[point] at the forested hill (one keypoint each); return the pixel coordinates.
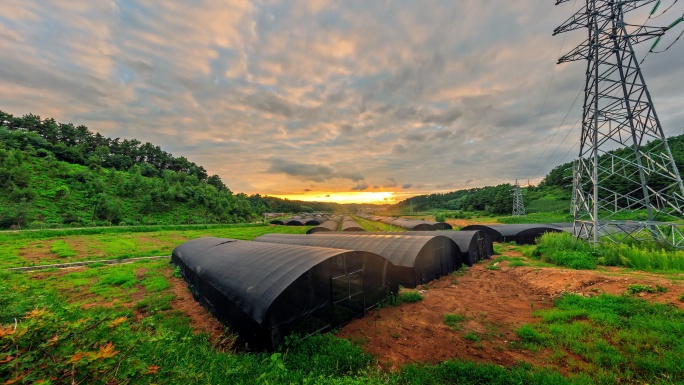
(552, 194)
(54, 174)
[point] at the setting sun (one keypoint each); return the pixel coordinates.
(371, 197)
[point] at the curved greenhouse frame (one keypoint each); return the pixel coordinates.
(417, 260)
(265, 291)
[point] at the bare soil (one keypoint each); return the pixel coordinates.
(201, 320)
(495, 303)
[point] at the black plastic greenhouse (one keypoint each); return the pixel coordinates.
(417, 260)
(265, 291)
(328, 225)
(474, 245)
(349, 224)
(519, 233)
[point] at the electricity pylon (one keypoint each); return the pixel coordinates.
(518, 204)
(625, 179)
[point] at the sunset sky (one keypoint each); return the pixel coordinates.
(363, 100)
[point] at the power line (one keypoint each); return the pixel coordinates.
(554, 136)
(546, 97)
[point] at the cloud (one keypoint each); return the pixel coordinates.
(392, 183)
(406, 186)
(360, 187)
(272, 94)
(309, 172)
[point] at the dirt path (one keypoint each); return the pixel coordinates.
(494, 303)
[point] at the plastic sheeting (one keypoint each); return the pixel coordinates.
(329, 225)
(349, 224)
(520, 233)
(418, 260)
(263, 291)
(474, 245)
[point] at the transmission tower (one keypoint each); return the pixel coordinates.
(625, 181)
(518, 204)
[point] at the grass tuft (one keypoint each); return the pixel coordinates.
(639, 288)
(454, 321)
(410, 297)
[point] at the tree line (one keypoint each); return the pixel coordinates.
(498, 200)
(54, 174)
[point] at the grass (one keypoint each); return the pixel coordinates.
(639, 288)
(117, 324)
(40, 247)
(562, 249)
(375, 226)
(681, 297)
(62, 249)
(454, 321)
(410, 297)
(620, 338)
(538, 217)
(117, 339)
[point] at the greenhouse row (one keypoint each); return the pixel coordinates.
(409, 224)
(283, 283)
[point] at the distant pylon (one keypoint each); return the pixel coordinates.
(518, 204)
(625, 179)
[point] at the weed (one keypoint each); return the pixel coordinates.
(472, 336)
(681, 297)
(453, 321)
(410, 297)
(639, 288)
(177, 272)
(493, 266)
(562, 249)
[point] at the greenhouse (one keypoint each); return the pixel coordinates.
(522, 234)
(329, 225)
(349, 224)
(417, 260)
(265, 291)
(474, 245)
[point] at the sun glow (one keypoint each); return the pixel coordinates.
(368, 197)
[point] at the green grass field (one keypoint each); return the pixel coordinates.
(117, 324)
(32, 248)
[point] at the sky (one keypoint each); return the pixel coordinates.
(348, 101)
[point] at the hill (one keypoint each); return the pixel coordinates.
(551, 195)
(55, 174)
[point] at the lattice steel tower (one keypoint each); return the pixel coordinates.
(625, 179)
(518, 204)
